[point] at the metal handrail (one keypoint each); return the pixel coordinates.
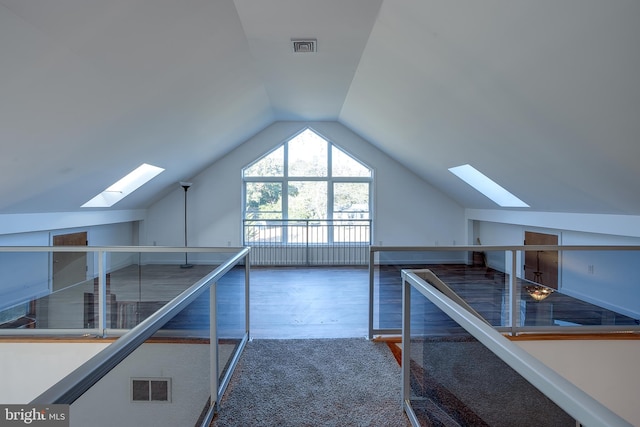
(141, 249)
(446, 290)
(489, 248)
(565, 394)
(71, 387)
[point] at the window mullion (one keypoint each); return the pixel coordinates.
(285, 196)
(310, 181)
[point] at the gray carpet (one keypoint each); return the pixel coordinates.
(319, 382)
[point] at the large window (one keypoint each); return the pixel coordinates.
(308, 179)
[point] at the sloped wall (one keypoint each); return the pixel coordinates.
(109, 403)
(407, 210)
(28, 369)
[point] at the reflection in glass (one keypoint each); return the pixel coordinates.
(456, 379)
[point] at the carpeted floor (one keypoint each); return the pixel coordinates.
(317, 382)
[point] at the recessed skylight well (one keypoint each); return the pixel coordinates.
(125, 186)
(488, 187)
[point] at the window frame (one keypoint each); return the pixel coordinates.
(285, 179)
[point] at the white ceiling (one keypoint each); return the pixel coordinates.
(543, 96)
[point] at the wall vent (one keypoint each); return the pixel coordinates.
(151, 389)
(304, 45)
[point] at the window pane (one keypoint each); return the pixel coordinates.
(343, 164)
(263, 200)
(270, 165)
(308, 155)
(307, 200)
(351, 200)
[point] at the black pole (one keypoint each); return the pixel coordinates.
(186, 186)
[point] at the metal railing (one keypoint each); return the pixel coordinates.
(80, 380)
(507, 263)
(416, 284)
(36, 274)
(182, 317)
(308, 242)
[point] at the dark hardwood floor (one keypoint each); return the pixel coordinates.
(301, 302)
(332, 302)
(317, 302)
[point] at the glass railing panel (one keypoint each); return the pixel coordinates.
(480, 277)
(482, 283)
(139, 284)
(165, 381)
(456, 380)
(387, 293)
(555, 289)
(36, 294)
(172, 377)
(231, 317)
(581, 288)
(46, 290)
(192, 322)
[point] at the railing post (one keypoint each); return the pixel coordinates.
(213, 344)
(514, 295)
(247, 296)
(371, 286)
(406, 340)
(306, 222)
(102, 292)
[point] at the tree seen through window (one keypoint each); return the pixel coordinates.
(307, 178)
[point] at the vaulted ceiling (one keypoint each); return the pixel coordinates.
(543, 96)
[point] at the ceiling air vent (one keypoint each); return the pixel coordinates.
(304, 46)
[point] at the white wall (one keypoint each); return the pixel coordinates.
(606, 278)
(28, 369)
(615, 225)
(33, 222)
(606, 370)
(108, 403)
(407, 210)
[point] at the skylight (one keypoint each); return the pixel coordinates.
(488, 187)
(125, 186)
